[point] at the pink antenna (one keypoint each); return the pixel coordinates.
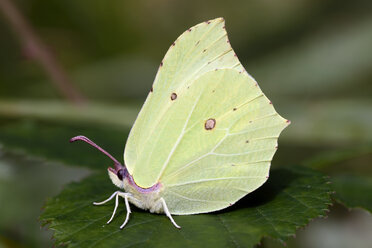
(85, 139)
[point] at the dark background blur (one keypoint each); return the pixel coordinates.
(312, 58)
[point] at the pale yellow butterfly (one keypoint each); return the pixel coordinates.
(205, 136)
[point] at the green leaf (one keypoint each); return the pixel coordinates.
(350, 174)
(289, 200)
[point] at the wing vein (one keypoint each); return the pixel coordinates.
(214, 59)
(255, 129)
(191, 199)
(201, 53)
(197, 159)
(241, 153)
(178, 139)
(211, 179)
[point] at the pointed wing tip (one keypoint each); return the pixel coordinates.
(215, 20)
(219, 19)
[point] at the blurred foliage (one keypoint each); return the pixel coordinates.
(291, 42)
(51, 141)
(353, 190)
(311, 58)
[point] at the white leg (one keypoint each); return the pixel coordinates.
(166, 211)
(116, 206)
(125, 196)
(108, 199)
(117, 194)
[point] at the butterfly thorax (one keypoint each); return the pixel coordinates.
(144, 198)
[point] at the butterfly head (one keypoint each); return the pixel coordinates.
(117, 175)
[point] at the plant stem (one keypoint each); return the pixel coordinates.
(40, 52)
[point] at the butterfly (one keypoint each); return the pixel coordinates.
(205, 136)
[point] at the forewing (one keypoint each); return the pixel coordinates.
(201, 49)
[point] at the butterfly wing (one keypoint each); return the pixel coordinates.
(206, 132)
(223, 152)
(201, 49)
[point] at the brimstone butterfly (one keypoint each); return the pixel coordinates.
(205, 136)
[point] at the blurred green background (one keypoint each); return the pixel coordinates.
(312, 58)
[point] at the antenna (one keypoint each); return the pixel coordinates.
(85, 139)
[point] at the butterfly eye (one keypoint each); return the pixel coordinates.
(120, 174)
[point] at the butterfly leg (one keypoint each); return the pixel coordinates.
(116, 207)
(107, 200)
(167, 213)
(116, 195)
(125, 196)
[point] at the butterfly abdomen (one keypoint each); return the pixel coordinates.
(146, 199)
